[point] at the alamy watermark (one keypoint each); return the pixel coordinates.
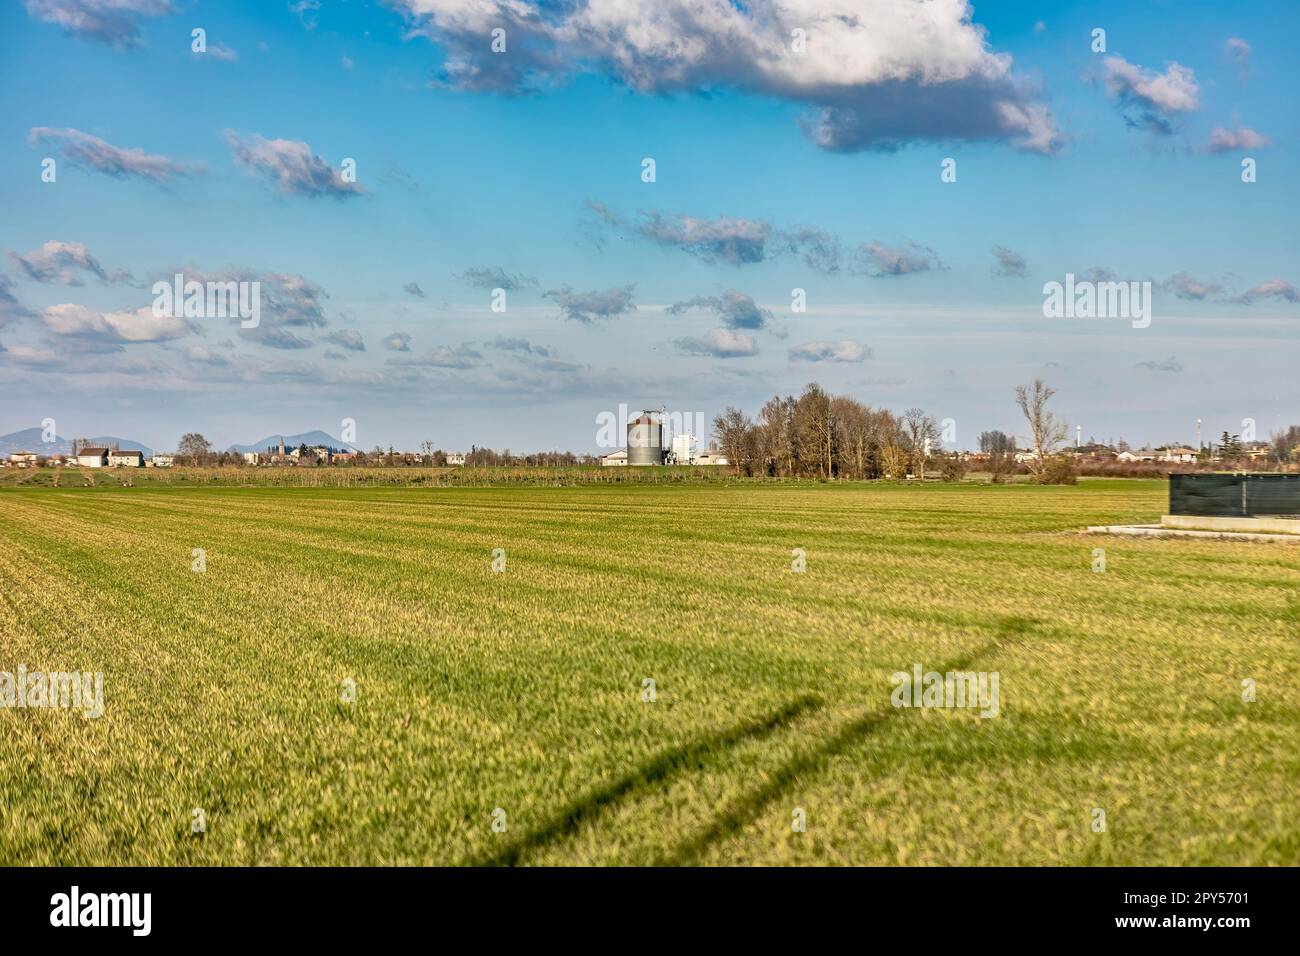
(1087, 299)
(923, 688)
(208, 300)
(79, 690)
(611, 427)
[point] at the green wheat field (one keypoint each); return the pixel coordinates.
(522, 691)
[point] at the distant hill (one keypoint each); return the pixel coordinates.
(293, 441)
(29, 439)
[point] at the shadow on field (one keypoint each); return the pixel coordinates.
(750, 806)
(568, 820)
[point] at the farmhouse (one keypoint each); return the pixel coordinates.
(126, 459)
(614, 458)
(23, 459)
(92, 457)
(1142, 454)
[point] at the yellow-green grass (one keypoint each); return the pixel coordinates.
(1120, 691)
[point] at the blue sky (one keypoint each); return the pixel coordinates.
(472, 163)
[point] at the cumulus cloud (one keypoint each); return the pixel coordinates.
(494, 277)
(842, 351)
(719, 343)
(1270, 289)
(1170, 364)
(349, 339)
(397, 342)
(61, 262)
(413, 288)
(291, 165)
(112, 330)
(112, 22)
(879, 260)
(1147, 99)
(876, 76)
(1243, 137)
(736, 309)
(586, 307)
(519, 345)
(91, 152)
(1009, 263)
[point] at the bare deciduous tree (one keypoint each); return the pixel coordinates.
(922, 433)
(194, 447)
(732, 430)
(1046, 431)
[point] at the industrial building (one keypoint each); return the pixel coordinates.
(646, 446)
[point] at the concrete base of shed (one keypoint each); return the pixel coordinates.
(1163, 531)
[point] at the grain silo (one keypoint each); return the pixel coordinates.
(645, 443)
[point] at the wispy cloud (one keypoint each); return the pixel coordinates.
(1187, 287)
(292, 166)
(1009, 263)
(61, 262)
(736, 309)
(841, 351)
(91, 152)
(518, 345)
(413, 288)
(586, 307)
(443, 356)
(1170, 364)
(879, 260)
(1238, 51)
(112, 22)
(349, 339)
(495, 277)
(305, 11)
(1270, 289)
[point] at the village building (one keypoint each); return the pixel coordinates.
(126, 459)
(92, 457)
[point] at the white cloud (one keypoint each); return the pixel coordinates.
(1243, 137)
(719, 343)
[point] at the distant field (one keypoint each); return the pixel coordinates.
(346, 476)
(1120, 691)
